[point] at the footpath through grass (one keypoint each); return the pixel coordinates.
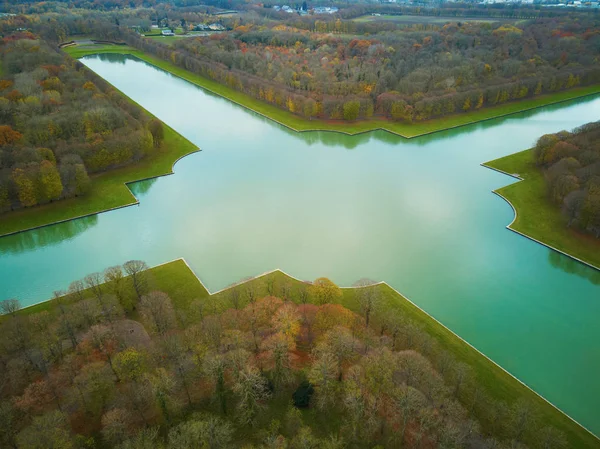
(536, 216)
(296, 123)
(108, 190)
(181, 284)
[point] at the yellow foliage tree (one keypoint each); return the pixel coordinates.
(325, 291)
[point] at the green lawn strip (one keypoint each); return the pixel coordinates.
(173, 278)
(181, 284)
(537, 217)
(108, 190)
(296, 123)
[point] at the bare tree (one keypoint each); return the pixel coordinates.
(10, 307)
(158, 312)
(103, 340)
(368, 297)
(214, 367)
(136, 270)
(113, 276)
(93, 281)
(522, 419)
(76, 288)
(177, 354)
(235, 297)
(65, 318)
(303, 293)
(251, 390)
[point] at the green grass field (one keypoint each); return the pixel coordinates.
(296, 123)
(537, 216)
(181, 284)
(107, 191)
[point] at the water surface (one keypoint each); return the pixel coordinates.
(417, 213)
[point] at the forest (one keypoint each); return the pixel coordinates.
(411, 74)
(571, 164)
(61, 123)
(115, 363)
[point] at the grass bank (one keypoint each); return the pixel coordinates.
(407, 19)
(181, 284)
(108, 190)
(174, 278)
(536, 216)
(407, 130)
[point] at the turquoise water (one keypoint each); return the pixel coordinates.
(417, 213)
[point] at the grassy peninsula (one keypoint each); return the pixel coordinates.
(536, 216)
(107, 189)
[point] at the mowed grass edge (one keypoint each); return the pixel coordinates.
(183, 286)
(536, 216)
(285, 118)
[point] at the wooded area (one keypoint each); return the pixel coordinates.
(59, 123)
(571, 162)
(120, 365)
(412, 74)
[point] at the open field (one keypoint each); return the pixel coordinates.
(296, 123)
(170, 40)
(437, 20)
(536, 216)
(181, 284)
(108, 190)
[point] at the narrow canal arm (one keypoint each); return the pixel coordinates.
(300, 124)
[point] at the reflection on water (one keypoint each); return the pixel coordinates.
(571, 266)
(336, 139)
(140, 188)
(47, 236)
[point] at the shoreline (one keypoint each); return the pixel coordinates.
(371, 125)
(512, 227)
(137, 201)
(147, 59)
(411, 303)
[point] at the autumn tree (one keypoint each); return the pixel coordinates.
(102, 343)
(50, 181)
(351, 110)
(157, 311)
(8, 136)
(26, 188)
(324, 291)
